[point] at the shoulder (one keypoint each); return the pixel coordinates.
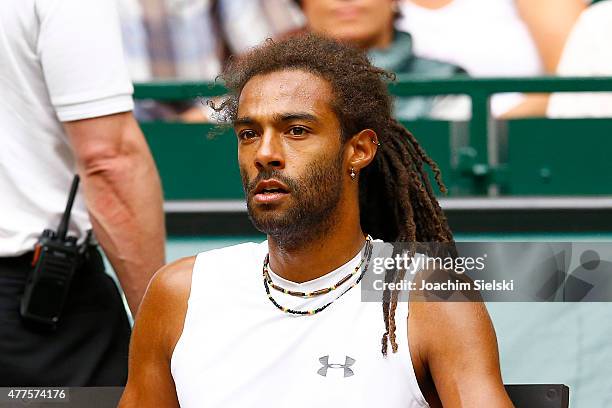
(171, 286)
(593, 21)
(158, 326)
(432, 67)
(244, 248)
(442, 317)
(163, 309)
(596, 10)
(173, 281)
(446, 316)
(209, 267)
(229, 256)
(440, 311)
(451, 334)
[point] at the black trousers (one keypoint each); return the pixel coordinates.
(89, 346)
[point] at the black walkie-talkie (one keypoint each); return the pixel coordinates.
(56, 257)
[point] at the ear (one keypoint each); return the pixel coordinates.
(361, 149)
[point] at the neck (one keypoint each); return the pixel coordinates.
(318, 256)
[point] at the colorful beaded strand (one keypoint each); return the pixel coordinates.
(317, 292)
(367, 251)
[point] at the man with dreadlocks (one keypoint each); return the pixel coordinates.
(280, 324)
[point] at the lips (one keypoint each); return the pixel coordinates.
(270, 191)
(348, 13)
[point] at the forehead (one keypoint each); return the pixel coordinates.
(286, 91)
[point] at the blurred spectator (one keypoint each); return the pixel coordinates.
(170, 40)
(243, 24)
(587, 53)
(191, 39)
(134, 40)
(494, 38)
(369, 24)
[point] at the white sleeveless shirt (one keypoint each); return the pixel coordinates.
(239, 350)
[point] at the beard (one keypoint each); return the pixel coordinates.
(312, 208)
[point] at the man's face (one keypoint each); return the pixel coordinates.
(290, 154)
(361, 22)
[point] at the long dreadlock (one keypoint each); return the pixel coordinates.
(396, 198)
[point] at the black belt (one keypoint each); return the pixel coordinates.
(19, 260)
(25, 259)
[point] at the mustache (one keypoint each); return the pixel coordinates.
(292, 184)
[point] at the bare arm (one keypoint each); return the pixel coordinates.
(534, 105)
(550, 22)
(123, 195)
(457, 344)
(158, 327)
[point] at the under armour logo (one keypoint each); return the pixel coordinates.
(347, 363)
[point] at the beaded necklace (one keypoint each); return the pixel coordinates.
(316, 292)
(367, 253)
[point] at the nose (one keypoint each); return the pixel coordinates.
(269, 154)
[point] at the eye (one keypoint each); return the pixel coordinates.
(246, 134)
(297, 131)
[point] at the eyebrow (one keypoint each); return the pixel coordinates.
(288, 117)
(244, 120)
(279, 117)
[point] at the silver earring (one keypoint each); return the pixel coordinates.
(353, 174)
(377, 143)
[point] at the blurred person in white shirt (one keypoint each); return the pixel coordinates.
(494, 38)
(65, 108)
(587, 53)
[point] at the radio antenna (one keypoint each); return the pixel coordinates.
(63, 226)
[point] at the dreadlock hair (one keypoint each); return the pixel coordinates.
(396, 198)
